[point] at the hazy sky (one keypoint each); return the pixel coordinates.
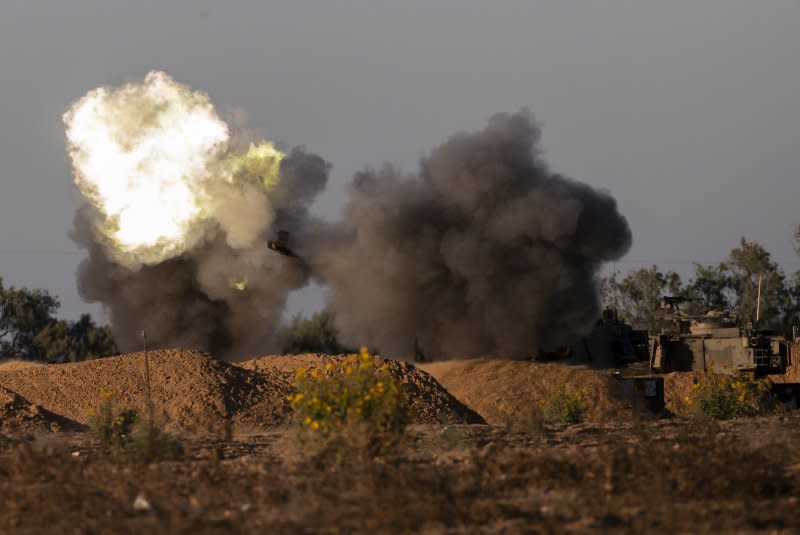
(688, 112)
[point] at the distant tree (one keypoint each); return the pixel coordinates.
(23, 314)
(797, 240)
(316, 334)
(637, 296)
(709, 289)
(29, 330)
(730, 286)
(793, 288)
(746, 265)
(793, 309)
(63, 341)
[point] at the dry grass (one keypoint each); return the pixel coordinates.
(662, 477)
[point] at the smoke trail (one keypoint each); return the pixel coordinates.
(485, 252)
(176, 218)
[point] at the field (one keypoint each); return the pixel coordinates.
(245, 470)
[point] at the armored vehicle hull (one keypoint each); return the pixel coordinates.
(717, 342)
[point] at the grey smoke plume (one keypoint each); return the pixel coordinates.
(484, 252)
(190, 300)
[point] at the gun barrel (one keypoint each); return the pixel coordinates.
(281, 245)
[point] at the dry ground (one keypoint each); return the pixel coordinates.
(607, 475)
(502, 390)
(196, 394)
(663, 477)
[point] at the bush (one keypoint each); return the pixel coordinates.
(151, 443)
(124, 432)
(565, 405)
(356, 393)
(722, 396)
(112, 428)
(316, 334)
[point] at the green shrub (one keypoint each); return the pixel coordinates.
(150, 443)
(316, 334)
(111, 427)
(357, 394)
(722, 396)
(565, 405)
(125, 432)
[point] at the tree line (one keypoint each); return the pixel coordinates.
(730, 286)
(29, 329)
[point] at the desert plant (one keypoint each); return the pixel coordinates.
(150, 443)
(358, 392)
(112, 427)
(533, 423)
(124, 432)
(564, 405)
(724, 396)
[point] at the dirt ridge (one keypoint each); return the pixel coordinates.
(18, 416)
(431, 402)
(505, 392)
(195, 393)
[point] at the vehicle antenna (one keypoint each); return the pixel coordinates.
(758, 301)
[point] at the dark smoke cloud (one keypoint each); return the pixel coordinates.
(485, 252)
(189, 300)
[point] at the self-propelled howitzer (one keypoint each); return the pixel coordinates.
(716, 341)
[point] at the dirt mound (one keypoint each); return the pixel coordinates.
(9, 365)
(505, 392)
(191, 391)
(431, 403)
(18, 416)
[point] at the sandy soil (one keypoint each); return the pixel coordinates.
(606, 475)
(10, 365)
(505, 391)
(194, 393)
(18, 416)
(662, 477)
(191, 391)
(429, 401)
